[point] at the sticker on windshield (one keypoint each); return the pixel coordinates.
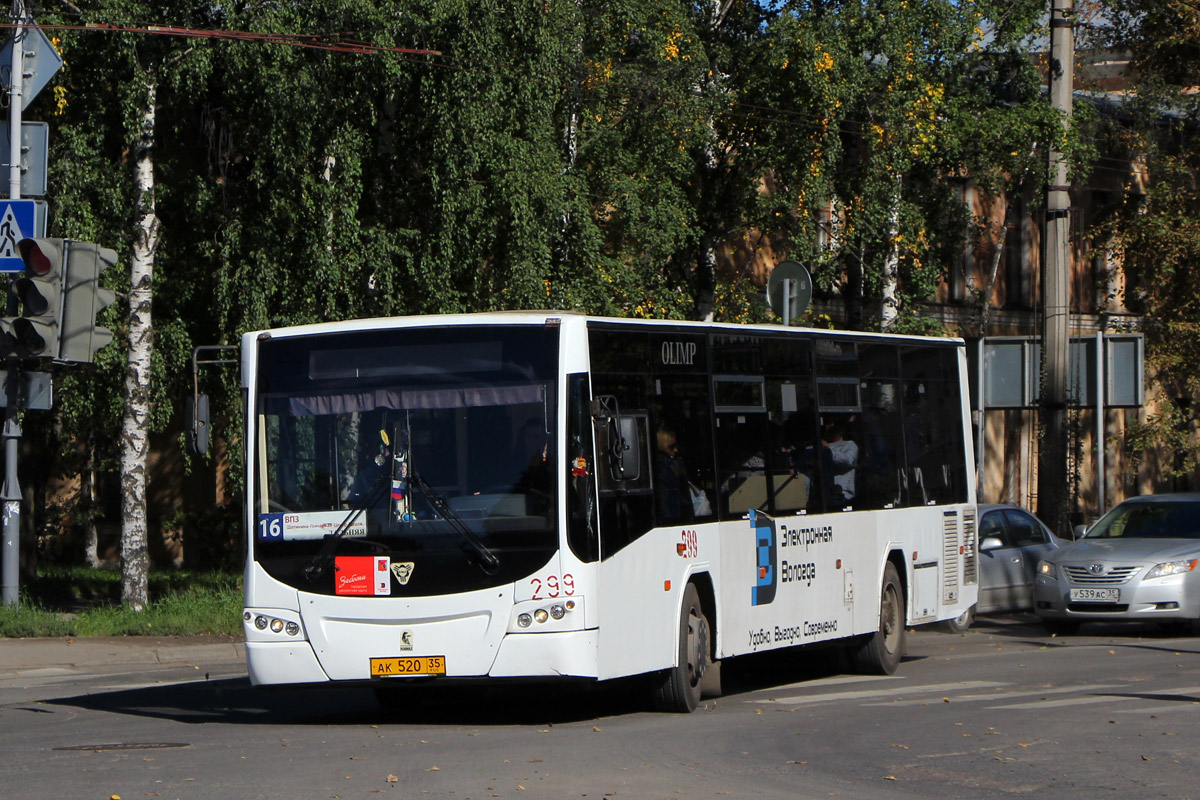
(296, 525)
(369, 575)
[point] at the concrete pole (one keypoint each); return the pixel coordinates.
(1052, 467)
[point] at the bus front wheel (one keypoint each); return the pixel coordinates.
(880, 652)
(680, 687)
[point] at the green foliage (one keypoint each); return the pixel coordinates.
(86, 602)
(443, 156)
(1154, 228)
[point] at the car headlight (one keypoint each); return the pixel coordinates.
(1047, 569)
(1172, 568)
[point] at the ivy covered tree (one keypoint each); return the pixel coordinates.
(284, 163)
(1154, 232)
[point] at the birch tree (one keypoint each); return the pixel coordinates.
(135, 440)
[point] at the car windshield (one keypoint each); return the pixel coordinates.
(1165, 520)
(427, 446)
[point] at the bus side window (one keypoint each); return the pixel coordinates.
(582, 526)
(625, 488)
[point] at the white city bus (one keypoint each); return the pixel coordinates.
(549, 495)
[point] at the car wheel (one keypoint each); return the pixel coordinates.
(961, 623)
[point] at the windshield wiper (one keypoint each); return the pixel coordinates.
(488, 561)
(316, 568)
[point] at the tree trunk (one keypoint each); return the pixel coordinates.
(985, 302)
(890, 279)
(87, 501)
(135, 426)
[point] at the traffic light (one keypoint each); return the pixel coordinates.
(83, 299)
(38, 291)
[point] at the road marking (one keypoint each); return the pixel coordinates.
(837, 680)
(863, 694)
(1168, 696)
(973, 698)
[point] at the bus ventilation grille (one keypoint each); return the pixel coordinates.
(970, 548)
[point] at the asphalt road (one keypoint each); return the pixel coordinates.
(1000, 711)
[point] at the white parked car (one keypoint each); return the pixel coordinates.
(1137, 563)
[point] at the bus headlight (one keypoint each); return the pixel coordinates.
(549, 616)
(265, 626)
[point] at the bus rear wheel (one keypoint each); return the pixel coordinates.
(680, 687)
(880, 652)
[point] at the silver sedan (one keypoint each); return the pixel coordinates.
(1138, 563)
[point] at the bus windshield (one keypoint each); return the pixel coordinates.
(431, 447)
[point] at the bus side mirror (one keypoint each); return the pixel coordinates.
(626, 454)
(198, 421)
(622, 445)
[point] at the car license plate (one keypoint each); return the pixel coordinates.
(408, 665)
(1096, 595)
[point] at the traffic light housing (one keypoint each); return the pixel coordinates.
(38, 291)
(83, 299)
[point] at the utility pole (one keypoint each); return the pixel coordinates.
(10, 531)
(1052, 466)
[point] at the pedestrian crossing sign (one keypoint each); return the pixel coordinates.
(16, 223)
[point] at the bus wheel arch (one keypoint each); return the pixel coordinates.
(879, 653)
(679, 688)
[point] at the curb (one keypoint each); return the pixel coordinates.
(24, 654)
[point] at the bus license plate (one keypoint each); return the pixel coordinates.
(1096, 595)
(408, 665)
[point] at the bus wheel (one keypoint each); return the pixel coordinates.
(880, 652)
(680, 687)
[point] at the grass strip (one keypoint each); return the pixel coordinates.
(81, 601)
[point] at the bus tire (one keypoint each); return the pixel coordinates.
(679, 688)
(879, 653)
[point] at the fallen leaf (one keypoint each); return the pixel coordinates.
(392, 778)
(889, 777)
(1147, 758)
(596, 728)
(434, 769)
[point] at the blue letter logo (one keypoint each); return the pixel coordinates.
(763, 591)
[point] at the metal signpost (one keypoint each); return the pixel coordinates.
(32, 62)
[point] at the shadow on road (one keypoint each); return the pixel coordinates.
(1026, 629)
(235, 702)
